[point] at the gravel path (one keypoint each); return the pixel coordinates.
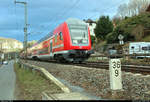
(7, 82)
(96, 81)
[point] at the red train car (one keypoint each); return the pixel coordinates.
(70, 41)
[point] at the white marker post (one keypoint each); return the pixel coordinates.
(115, 74)
(2, 56)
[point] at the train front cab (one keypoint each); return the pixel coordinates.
(77, 41)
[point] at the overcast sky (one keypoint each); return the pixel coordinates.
(45, 15)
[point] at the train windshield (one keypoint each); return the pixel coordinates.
(79, 34)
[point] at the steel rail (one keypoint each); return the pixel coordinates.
(127, 68)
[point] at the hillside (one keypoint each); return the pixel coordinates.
(10, 45)
(136, 28)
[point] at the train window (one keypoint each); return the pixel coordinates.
(84, 35)
(144, 48)
(55, 38)
(132, 47)
(43, 51)
(61, 36)
(79, 34)
(148, 47)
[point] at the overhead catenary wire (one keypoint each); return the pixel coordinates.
(55, 16)
(73, 6)
(61, 14)
(58, 13)
(106, 9)
(64, 13)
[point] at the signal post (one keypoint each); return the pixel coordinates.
(25, 28)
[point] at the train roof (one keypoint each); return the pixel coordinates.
(75, 21)
(69, 21)
(45, 37)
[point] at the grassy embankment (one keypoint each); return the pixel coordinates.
(30, 86)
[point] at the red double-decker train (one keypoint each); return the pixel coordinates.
(70, 41)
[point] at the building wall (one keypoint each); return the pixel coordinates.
(11, 45)
(91, 28)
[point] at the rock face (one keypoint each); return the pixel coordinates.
(8, 45)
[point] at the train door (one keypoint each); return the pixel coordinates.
(51, 48)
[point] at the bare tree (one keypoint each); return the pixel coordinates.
(134, 7)
(122, 10)
(116, 20)
(143, 7)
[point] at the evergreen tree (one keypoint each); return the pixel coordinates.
(103, 28)
(92, 39)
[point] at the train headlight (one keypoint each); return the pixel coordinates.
(84, 41)
(75, 41)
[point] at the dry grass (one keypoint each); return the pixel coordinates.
(32, 85)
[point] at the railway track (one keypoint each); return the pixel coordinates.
(127, 68)
(104, 65)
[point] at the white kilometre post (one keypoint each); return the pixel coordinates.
(2, 57)
(115, 74)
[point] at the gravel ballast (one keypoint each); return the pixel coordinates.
(96, 81)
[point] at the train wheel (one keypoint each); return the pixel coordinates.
(76, 62)
(63, 60)
(80, 62)
(57, 61)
